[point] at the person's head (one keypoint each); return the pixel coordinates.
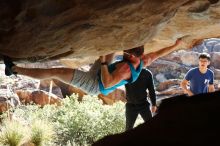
(204, 60)
(134, 52)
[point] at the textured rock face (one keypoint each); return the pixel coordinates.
(195, 20)
(39, 30)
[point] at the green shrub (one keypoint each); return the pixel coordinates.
(89, 120)
(75, 123)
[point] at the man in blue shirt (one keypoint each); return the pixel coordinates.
(200, 79)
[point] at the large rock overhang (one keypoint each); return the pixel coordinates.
(41, 30)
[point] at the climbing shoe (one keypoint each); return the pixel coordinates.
(8, 66)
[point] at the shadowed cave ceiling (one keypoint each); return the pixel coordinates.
(81, 30)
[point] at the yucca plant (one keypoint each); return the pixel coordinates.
(12, 133)
(41, 133)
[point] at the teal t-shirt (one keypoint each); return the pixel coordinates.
(134, 75)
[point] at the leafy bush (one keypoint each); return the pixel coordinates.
(75, 123)
(85, 122)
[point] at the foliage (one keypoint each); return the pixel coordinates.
(75, 123)
(85, 122)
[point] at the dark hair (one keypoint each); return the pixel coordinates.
(205, 56)
(137, 51)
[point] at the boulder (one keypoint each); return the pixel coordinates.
(181, 120)
(39, 97)
(215, 59)
(8, 100)
(82, 30)
(115, 96)
(48, 85)
(167, 84)
(171, 91)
